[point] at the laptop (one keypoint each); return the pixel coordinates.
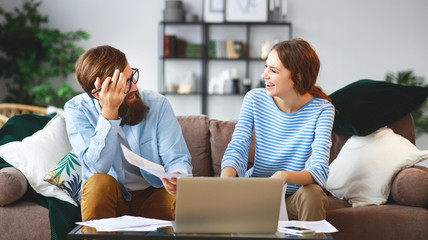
(227, 205)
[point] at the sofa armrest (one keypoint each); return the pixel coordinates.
(13, 185)
(410, 187)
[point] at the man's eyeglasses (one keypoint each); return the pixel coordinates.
(133, 79)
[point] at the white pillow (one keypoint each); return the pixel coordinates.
(38, 154)
(364, 169)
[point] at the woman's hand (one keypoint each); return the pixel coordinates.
(170, 184)
(111, 95)
(297, 178)
(228, 172)
(281, 174)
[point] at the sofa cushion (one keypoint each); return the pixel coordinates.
(26, 220)
(36, 155)
(13, 185)
(384, 222)
(196, 135)
(410, 187)
(364, 169)
(221, 134)
(379, 103)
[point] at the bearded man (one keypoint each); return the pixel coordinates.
(112, 111)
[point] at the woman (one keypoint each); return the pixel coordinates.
(292, 119)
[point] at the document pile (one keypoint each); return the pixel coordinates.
(126, 223)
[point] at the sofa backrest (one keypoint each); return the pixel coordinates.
(207, 141)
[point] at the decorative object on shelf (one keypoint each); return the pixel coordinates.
(265, 48)
(174, 11)
(235, 81)
(284, 9)
(277, 10)
(246, 11)
(217, 84)
(190, 17)
(246, 84)
(188, 84)
(214, 10)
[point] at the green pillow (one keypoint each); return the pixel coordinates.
(367, 105)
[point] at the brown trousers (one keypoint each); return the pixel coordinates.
(309, 203)
(102, 198)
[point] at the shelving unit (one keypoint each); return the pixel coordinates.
(206, 32)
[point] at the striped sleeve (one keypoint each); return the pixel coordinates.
(317, 164)
(236, 155)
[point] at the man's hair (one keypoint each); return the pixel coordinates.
(298, 56)
(98, 62)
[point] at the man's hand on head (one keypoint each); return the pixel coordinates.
(111, 95)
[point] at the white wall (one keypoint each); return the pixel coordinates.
(354, 39)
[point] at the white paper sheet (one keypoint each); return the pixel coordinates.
(283, 215)
(126, 223)
(318, 226)
(148, 166)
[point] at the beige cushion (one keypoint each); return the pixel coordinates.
(364, 169)
(13, 185)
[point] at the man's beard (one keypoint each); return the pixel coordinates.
(134, 112)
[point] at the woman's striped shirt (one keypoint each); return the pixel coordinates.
(284, 142)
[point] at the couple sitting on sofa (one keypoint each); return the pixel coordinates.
(292, 120)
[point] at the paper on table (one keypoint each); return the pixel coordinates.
(148, 166)
(318, 226)
(283, 216)
(126, 223)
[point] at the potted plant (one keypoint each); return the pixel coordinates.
(36, 59)
(408, 78)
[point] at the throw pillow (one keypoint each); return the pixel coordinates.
(66, 175)
(364, 169)
(36, 155)
(13, 185)
(367, 105)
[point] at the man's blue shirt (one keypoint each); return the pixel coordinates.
(95, 141)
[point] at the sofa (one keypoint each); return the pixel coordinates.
(207, 140)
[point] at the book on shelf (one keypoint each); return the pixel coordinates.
(193, 50)
(169, 45)
(229, 49)
(180, 48)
